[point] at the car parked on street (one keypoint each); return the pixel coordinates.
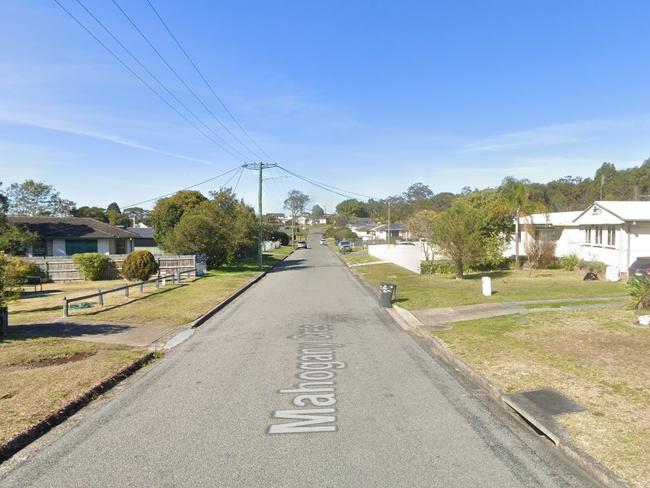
(301, 244)
(322, 241)
(345, 246)
(640, 268)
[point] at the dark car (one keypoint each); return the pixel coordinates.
(640, 268)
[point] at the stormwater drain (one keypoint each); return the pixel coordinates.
(538, 408)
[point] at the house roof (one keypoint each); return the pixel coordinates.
(616, 210)
(551, 218)
(143, 232)
(394, 226)
(69, 227)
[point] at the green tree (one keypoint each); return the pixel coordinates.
(417, 192)
(457, 232)
(295, 203)
(97, 213)
(13, 239)
(168, 212)
(352, 208)
(137, 215)
(317, 211)
(36, 198)
(116, 217)
(222, 228)
(515, 192)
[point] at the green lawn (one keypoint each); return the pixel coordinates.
(594, 357)
(418, 292)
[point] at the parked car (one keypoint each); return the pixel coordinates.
(640, 268)
(301, 244)
(322, 241)
(345, 246)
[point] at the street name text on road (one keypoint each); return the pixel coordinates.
(317, 387)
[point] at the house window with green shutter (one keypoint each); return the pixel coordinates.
(77, 246)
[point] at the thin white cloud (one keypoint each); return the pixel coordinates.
(556, 134)
(43, 123)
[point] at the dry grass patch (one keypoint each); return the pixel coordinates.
(40, 376)
(596, 358)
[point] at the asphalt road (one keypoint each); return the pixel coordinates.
(212, 412)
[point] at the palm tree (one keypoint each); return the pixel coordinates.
(515, 193)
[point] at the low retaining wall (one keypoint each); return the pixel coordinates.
(62, 268)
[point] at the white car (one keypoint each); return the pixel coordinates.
(301, 244)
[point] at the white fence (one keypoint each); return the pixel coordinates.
(406, 256)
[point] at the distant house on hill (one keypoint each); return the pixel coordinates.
(396, 230)
(65, 236)
(144, 240)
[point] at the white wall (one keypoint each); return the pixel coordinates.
(408, 257)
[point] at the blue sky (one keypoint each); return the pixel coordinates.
(369, 96)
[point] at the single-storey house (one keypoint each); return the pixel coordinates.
(144, 240)
(613, 232)
(64, 236)
(397, 231)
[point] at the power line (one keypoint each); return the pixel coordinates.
(225, 185)
(326, 187)
(130, 70)
(180, 78)
(187, 56)
(238, 178)
(160, 83)
(183, 189)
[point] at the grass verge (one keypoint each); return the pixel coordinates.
(417, 292)
(39, 377)
(171, 305)
(597, 359)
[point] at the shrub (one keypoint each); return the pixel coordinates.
(596, 266)
(277, 235)
(139, 266)
(16, 268)
(639, 289)
(569, 262)
(437, 267)
(91, 265)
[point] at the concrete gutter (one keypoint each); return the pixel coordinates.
(407, 321)
(20, 441)
(411, 324)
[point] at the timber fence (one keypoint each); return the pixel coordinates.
(62, 268)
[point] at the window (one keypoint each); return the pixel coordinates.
(39, 248)
(76, 246)
(120, 246)
(588, 235)
(599, 236)
(611, 237)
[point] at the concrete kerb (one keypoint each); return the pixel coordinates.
(22, 440)
(206, 316)
(178, 337)
(411, 324)
(596, 469)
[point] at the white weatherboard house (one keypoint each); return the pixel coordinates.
(613, 232)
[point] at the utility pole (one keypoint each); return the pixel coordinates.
(388, 227)
(260, 167)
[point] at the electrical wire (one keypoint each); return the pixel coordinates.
(225, 185)
(324, 186)
(236, 154)
(234, 191)
(185, 84)
(130, 70)
(198, 71)
(183, 189)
